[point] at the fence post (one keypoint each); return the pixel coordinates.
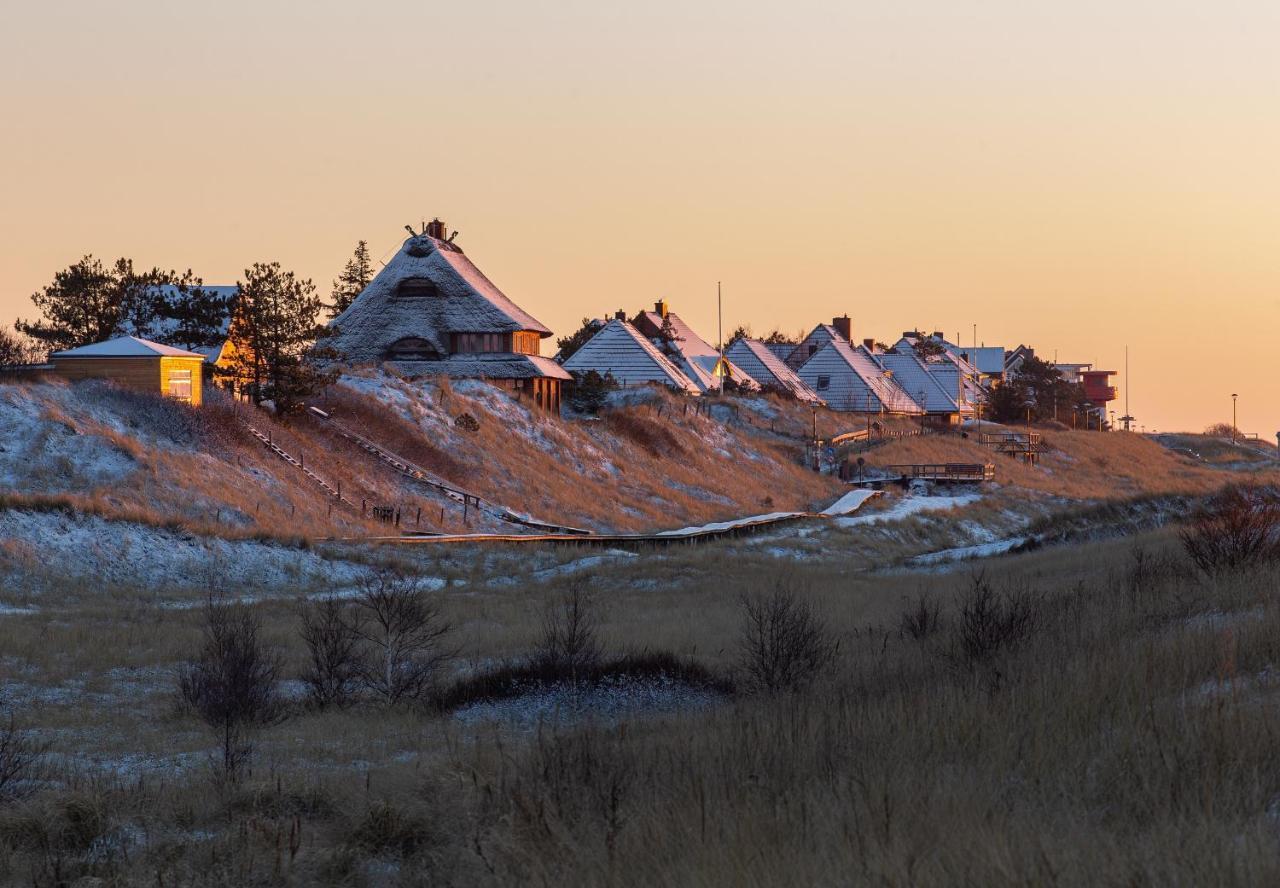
(418, 520)
(362, 506)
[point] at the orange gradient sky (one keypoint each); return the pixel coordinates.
(1073, 176)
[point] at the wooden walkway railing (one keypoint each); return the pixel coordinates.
(944, 472)
(425, 478)
(289, 458)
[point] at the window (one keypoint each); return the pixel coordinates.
(471, 343)
(180, 385)
(526, 342)
(412, 348)
(824, 383)
(416, 288)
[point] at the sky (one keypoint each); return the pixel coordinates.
(1079, 177)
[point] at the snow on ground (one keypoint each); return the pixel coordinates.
(907, 506)
(728, 525)
(966, 553)
(87, 547)
(609, 699)
(43, 451)
(850, 502)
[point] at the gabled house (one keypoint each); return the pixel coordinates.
(986, 361)
(431, 312)
(696, 358)
(839, 330)
(914, 376)
(138, 364)
(849, 379)
(768, 369)
(621, 351)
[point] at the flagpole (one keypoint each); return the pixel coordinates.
(720, 333)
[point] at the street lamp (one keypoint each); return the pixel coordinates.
(1233, 418)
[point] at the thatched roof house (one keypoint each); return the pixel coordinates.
(621, 351)
(766, 368)
(432, 312)
(849, 378)
(696, 358)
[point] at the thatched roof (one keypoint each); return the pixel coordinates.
(428, 290)
(621, 350)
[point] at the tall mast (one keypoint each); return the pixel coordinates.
(720, 333)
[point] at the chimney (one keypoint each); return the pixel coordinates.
(661, 308)
(436, 229)
(620, 315)
(844, 327)
(937, 335)
(869, 345)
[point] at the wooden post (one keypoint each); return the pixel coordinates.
(339, 490)
(417, 521)
(442, 517)
(466, 501)
(362, 506)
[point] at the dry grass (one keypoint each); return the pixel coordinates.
(1128, 740)
(1078, 465)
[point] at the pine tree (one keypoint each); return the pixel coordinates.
(354, 278)
(273, 324)
(89, 302)
(569, 345)
(198, 315)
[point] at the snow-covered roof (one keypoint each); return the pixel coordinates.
(701, 370)
(812, 344)
(125, 347)
(443, 293)
(914, 377)
(687, 341)
(484, 365)
(620, 350)
(767, 368)
(848, 378)
(782, 350)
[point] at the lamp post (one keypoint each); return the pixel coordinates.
(1233, 418)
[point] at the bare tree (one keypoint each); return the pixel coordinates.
(784, 644)
(232, 683)
(20, 755)
(570, 641)
(404, 632)
(331, 631)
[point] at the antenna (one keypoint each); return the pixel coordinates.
(409, 228)
(1128, 417)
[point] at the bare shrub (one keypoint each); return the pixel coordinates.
(232, 683)
(1238, 528)
(922, 620)
(569, 644)
(993, 622)
(403, 630)
(784, 644)
(20, 756)
(330, 630)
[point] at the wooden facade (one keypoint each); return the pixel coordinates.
(180, 378)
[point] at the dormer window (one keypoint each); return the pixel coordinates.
(416, 288)
(412, 348)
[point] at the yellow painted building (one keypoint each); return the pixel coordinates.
(138, 364)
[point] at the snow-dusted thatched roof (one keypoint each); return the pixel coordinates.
(766, 368)
(694, 356)
(812, 344)
(620, 350)
(484, 365)
(428, 290)
(125, 347)
(916, 379)
(849, 378)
